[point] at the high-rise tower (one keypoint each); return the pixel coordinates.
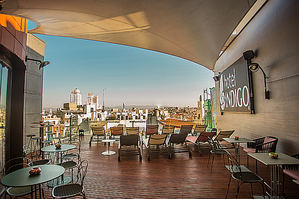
(75, 97)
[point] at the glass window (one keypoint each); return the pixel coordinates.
(4, 72)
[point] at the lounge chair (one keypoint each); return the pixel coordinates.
(98, 132)
(167, 129)
(116, 132)
(151, 129)
(224, 134)
(186, 129)
(176, 139)
(132, 130)
(155, 140)
(199, 129)
(131, 144)
(203, 137)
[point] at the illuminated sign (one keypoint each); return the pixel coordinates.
(234, 88)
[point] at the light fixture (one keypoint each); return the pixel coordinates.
(216, 78)
(254, 67)
(42, 63)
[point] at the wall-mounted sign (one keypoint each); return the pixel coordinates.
(234, 89)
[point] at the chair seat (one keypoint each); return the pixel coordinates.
(67, 190)
(292, 173)
(19, 191)
(249, 150)
(40, 162)
(69, 164)
(247, 177)
(192, 139)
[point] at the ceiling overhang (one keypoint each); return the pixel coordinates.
(195, 30)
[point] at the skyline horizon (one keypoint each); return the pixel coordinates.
(128, 74)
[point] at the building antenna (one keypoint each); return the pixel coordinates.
(103, 101)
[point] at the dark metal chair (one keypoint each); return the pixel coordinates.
(73, 189)
(241, 176)
(127, 142)
(261, 145)
(224, 134)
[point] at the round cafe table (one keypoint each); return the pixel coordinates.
(108, 152)
(53, 149)
(22, 178)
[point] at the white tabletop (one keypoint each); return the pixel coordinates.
(296, 181)
(240, 140)
(108, 140)
(282, 159)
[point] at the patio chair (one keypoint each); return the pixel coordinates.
(261, 145)
(176, 139)
(70, 162)
(168, 129)
(224, 134)
(126, 143)
(132, 130)
(216, 149)
(242, 176)
(116, 132)
(151, 129)
(290, 170)
(97, 132)
(203, 137)
(155, 140)
(199, 128)
(73, 189)
(186, 129)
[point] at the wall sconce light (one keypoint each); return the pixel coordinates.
(216, 78)
(254, 67)
(42, 63)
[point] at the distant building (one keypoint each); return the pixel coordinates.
(93, 100)
(76, 97)
(70, 106)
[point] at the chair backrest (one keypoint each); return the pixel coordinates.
(82, 171)
(234, 165)
(167, 129)
(178, 138)
(151, 129)
(269, 145)
(199, 128)
(97, 130)
(157, 139)
(132, 130)
(117, 130)
(223, 134)
(186, 129)
(16, 163)
(129, 140)
(205, 136)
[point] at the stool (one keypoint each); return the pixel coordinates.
(30, 143)
(37, 145)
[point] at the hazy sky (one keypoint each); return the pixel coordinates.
(129, 75)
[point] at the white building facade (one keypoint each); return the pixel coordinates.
(76, 97)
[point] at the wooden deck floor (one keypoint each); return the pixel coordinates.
(180, 177)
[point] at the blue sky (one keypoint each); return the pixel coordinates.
(129, 75)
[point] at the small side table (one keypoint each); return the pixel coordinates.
(108, 152)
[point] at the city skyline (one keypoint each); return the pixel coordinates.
(128, 75)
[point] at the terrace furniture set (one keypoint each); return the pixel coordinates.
(20, 181)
